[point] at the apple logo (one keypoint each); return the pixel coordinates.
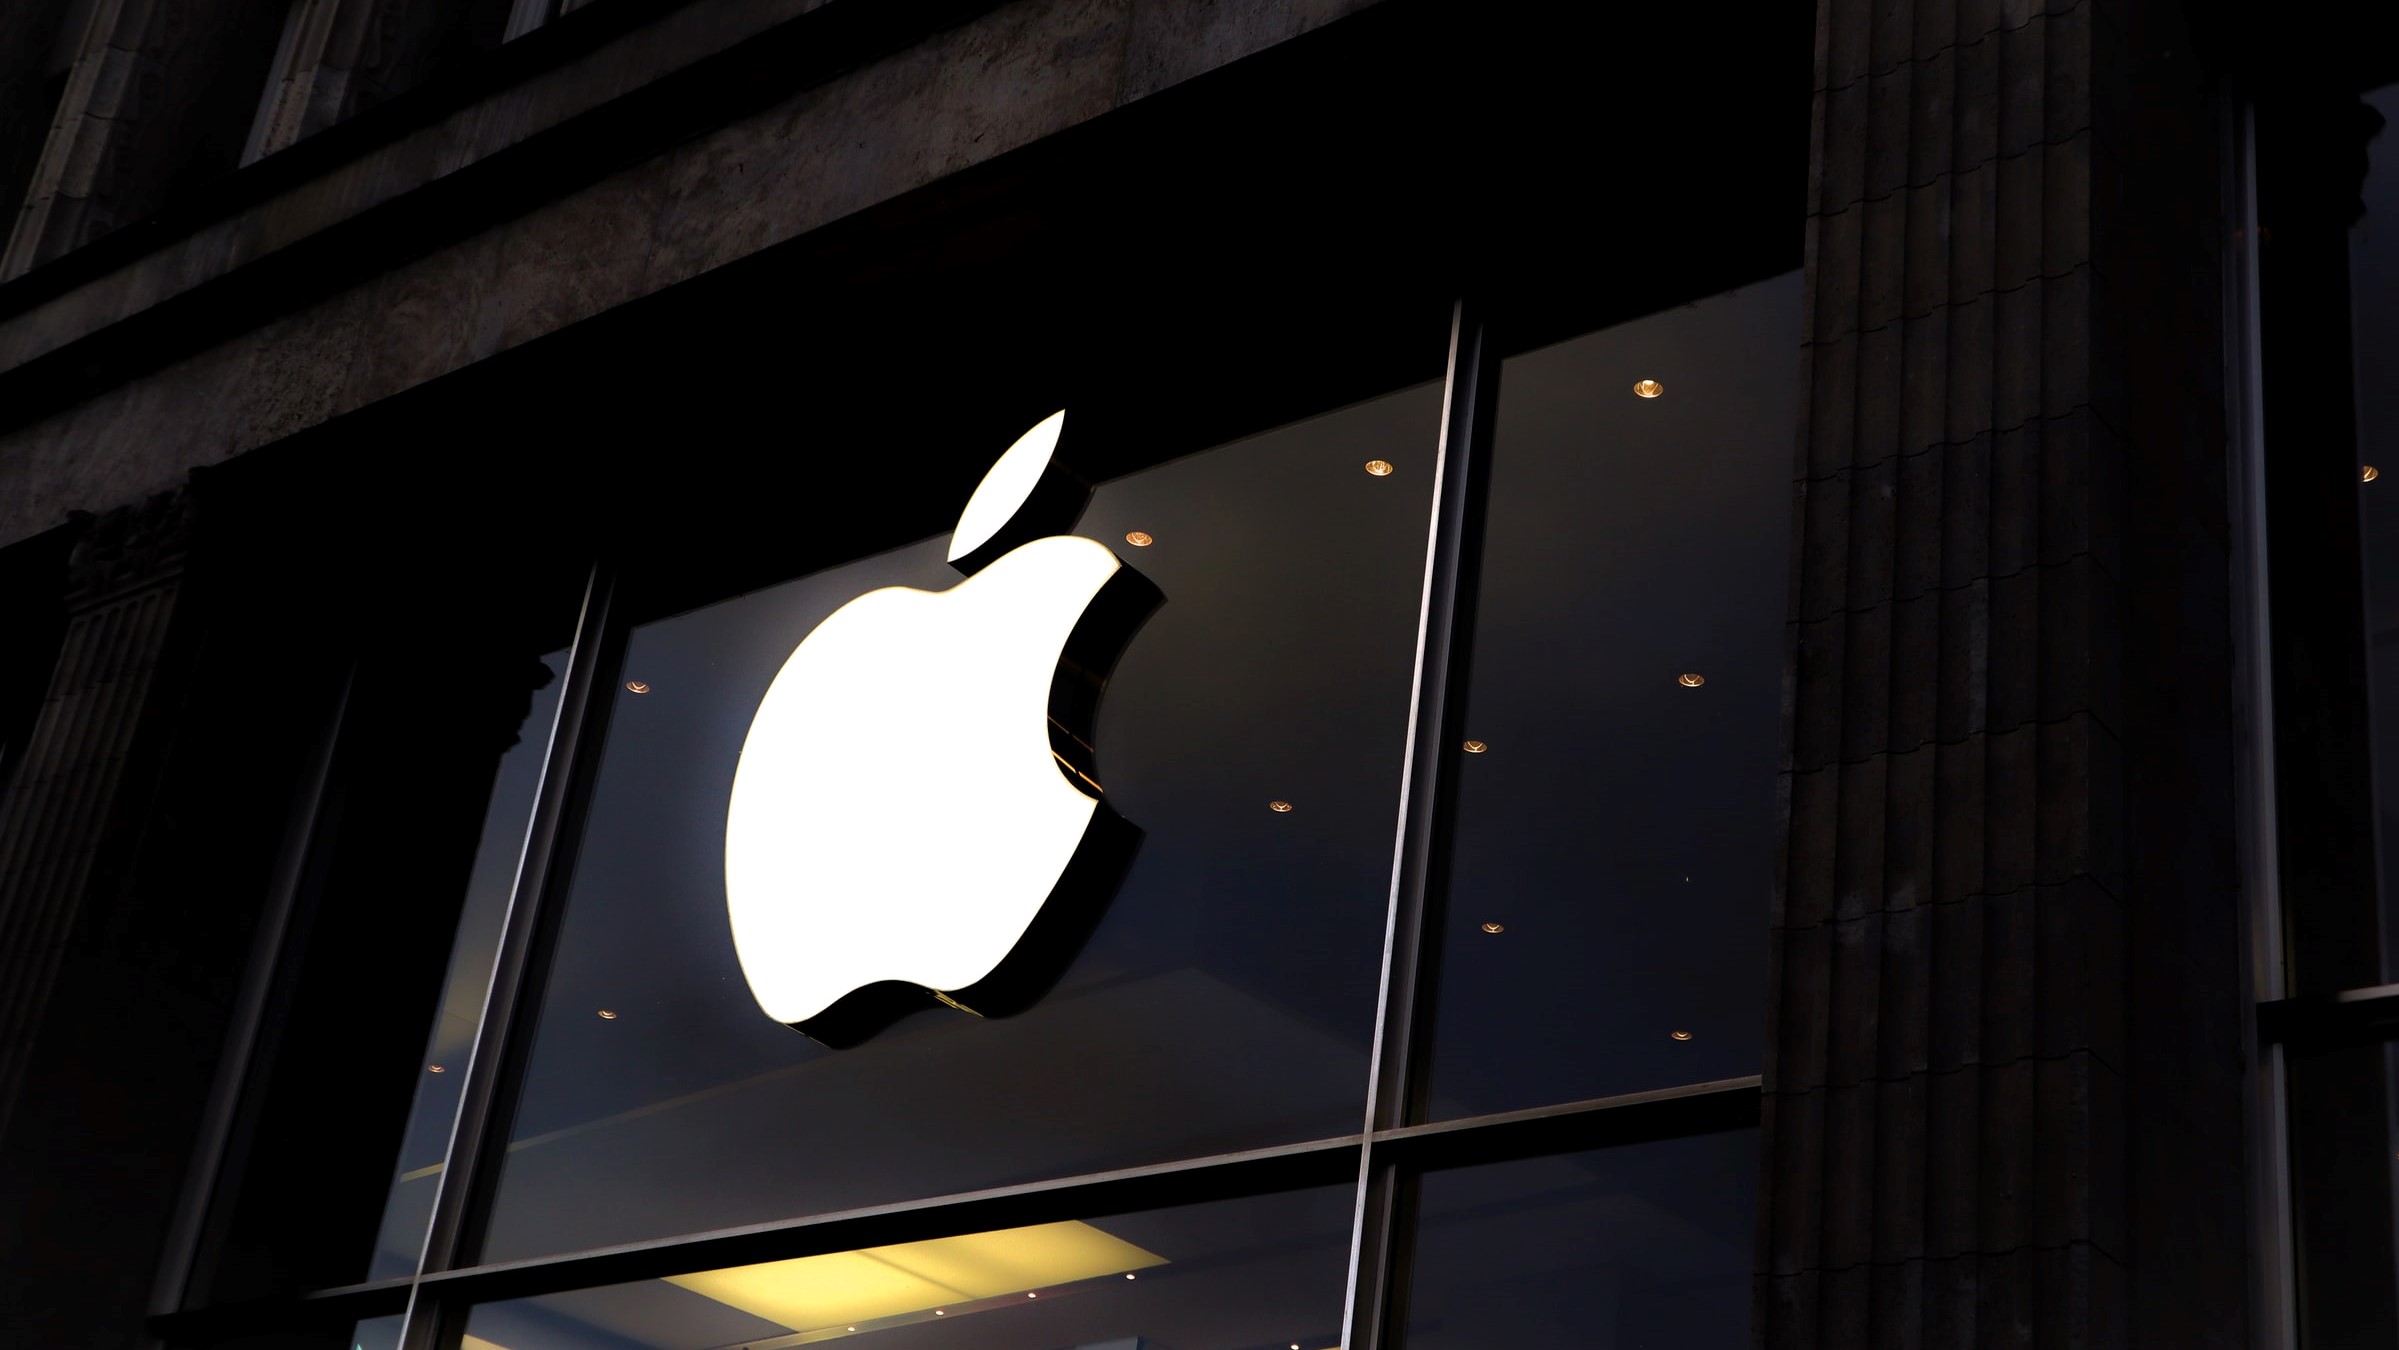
(916, 815)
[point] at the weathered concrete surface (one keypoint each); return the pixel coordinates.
(1016, 74)
(679, 38)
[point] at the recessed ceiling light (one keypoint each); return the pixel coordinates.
(1495, 928)
(2368, 474)
(939, 1313)
(1131, 1276)
(607, 1015)
(1649, 388)
(1139, 538)
(1380, 468)
(637, 687)
(435, 1068)
(1680, 1035)
(1476, 747)
(1279, 808)
(1690, 679)
(1030, 1294)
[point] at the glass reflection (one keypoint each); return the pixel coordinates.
(2374, 331)
(408, 1206)
(1643, 1245)
(1252, 1272)
(1605, 927)
(1224, 1000)
(2344, 1192)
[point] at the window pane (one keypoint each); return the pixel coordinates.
(2374, 324)
(409, 1206)
(1636, 1246)
(328, 1179)
(1253, 1272)
(2342, 1143)
(1226, 997)
(1605, 929)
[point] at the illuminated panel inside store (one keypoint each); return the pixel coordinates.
(838, 1289)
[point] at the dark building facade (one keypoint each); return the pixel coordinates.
(1728, 684)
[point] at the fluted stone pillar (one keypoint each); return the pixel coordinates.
(71, 795)
(1983, 909)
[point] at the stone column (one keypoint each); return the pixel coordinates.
(77, 786)
(1982, 921)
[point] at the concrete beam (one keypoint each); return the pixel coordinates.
(1010, 76)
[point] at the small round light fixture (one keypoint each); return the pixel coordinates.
(1139, 538)
(1476, 747)
(1678, 1035)
(637, 687)
(1030, 1294)
(1131, 1276)
(1380, 468)
(1495, 928)
(435, 1068)
(937, 1312)
(1648, 388)
(2368, 474)
(607, 1014)
(1690, 679)
(1279, 808)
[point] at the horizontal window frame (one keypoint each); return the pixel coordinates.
(1570, 1127)
(2345, 1018)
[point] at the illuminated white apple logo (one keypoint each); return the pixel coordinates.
(915, 787)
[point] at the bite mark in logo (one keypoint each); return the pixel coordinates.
(918, 814)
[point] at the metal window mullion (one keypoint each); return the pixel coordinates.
(478, 1131)
(1436, 705)
(2257, 836)
(229, 1100)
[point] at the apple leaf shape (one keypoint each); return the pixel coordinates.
(1006, 486)
(902, 814)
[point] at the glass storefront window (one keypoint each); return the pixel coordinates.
(1268, 1271)
(1613, 860)
(1225, 998)
(2326, 253)
(1611, 1249)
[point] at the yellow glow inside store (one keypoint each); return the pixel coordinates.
(813, 1292)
